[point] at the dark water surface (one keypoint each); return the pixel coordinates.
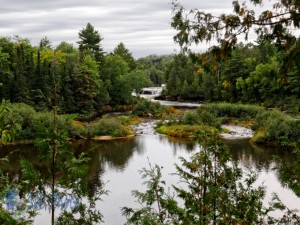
(115, 165)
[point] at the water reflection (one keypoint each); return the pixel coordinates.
(115, 153)
(15, 153)
(178, 144)
(257, 158)
(115, 165)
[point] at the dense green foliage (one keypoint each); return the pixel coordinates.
(89, 79)
(29, 124)
(226, 111)
(211, 191)
(265, 72)
(86, 78)
(271, 127)
(114, 126)
(274, 127)
(251, 74)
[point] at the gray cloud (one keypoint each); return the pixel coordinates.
(143, 26)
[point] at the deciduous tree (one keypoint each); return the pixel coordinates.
(275, 23)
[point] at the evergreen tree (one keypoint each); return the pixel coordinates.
(214, 191)
(86, 85)
(21, 93)
(180, 69)
(90, 42)
(45, 43)
(5, 73)
(124, 53)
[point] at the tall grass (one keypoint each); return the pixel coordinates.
(274, 127)
(228, 110)
(203, 118)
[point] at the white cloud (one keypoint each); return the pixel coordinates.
(143, 26)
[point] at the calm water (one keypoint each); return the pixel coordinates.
(116, 164)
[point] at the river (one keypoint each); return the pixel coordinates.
(115, 165)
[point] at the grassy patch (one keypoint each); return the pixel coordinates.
(185, 131)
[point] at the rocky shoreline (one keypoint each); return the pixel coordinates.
(236, 132)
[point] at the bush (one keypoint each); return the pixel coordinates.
(79, 129)
(30, 120)
(190, 118)
(144, 107)
(274, 127)
(21, 114)
(203, 118)
(225, 110)
(109, 126)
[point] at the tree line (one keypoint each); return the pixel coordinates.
(258, 73)
(266, 72)
(86, 78)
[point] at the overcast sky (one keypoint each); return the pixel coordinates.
(142, 25)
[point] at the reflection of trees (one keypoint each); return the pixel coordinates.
(36, 183)
(116, 153)
(283, 161)
(289, 174)
(178, 144)
(257, 157)
(15, 153)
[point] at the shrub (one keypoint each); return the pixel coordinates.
(226, 110)
(42, 120)
(274, 127)
(203, 118)
(144, 107)
(22, 114)
(109, 126)
(190, 118)
(78, 129)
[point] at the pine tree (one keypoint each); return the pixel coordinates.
(90, 42)
(124, 53)
(21, 93)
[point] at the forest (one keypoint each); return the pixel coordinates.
(55, 95)
(89, 80)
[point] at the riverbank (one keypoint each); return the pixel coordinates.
(236, 121)
(269, 127)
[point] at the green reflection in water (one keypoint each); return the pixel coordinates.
(118, 155)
